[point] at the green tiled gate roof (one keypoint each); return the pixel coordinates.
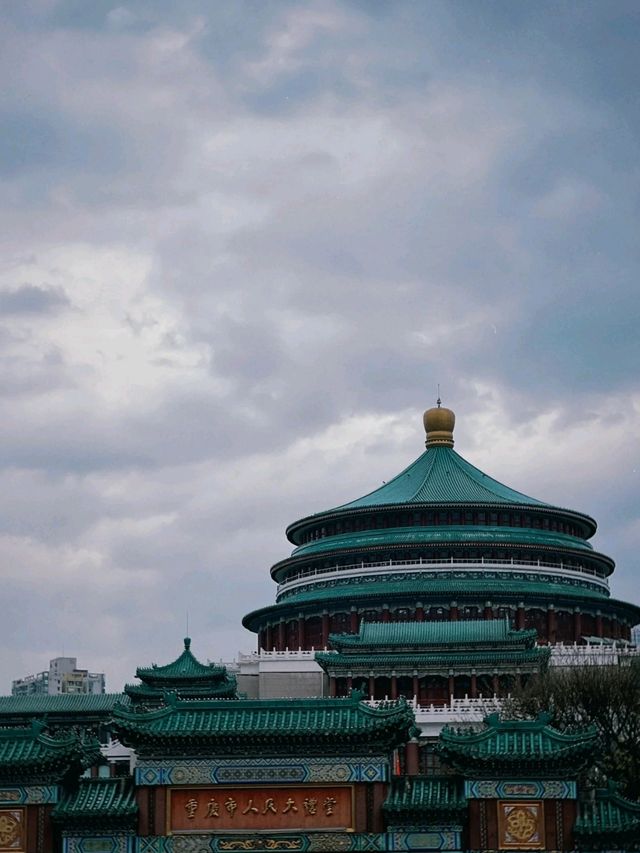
(266, 726)
(528, 745)
(99, 803)
(610, 819)
(28, 754)
(419, 800)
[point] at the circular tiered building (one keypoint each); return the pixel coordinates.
(442, 542)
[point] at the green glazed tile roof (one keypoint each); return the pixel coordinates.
(415, 797)
(368, 540)
(227, 689)
(99, 801)
(439, 476)
(282, 724)
(484, 661)
(501, 745)
(472, 632)
(61, 703)
(434, 592)
(185, 667)
(610, 817)
(29, 753)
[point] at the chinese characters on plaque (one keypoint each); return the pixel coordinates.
(263, 808)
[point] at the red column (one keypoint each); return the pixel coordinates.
(332, 687)
(412, 758)
(496, 683)
(452, 685)
(349, 684)
(453, 612)
(372, 686)
(354, 621)
(282, 639)
(577, 624)
(325, 628)
(385, 612)
(394, 686)
(302, 639)
(551, 624)
(474, 686)
(488, 611)
(520, 616)
(268, 643)
(419, 612)
(599, 628)
(416, 686)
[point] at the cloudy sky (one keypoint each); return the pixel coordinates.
(242, 242)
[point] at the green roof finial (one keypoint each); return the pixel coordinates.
(187, 643)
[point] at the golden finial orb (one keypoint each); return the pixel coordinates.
(438, 424)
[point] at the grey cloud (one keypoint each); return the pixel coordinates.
(33, 299)
(409, 199)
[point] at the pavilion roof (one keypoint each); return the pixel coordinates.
(185, 667)
(531, 659)
(186, 676)
(421, 635)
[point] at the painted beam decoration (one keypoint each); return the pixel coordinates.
(543, 789)
(260, 808)
(98, 844)
(273, 770)
(29, 795)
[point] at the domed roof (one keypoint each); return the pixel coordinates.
(441, 477)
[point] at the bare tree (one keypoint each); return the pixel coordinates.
(605, 696)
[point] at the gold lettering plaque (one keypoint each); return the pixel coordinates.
(260, 808)
(521, 825)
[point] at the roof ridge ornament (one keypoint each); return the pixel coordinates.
(438, 424)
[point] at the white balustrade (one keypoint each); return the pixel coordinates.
(362, 569)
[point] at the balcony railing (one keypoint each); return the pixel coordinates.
(302, 578)
(592, 654)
